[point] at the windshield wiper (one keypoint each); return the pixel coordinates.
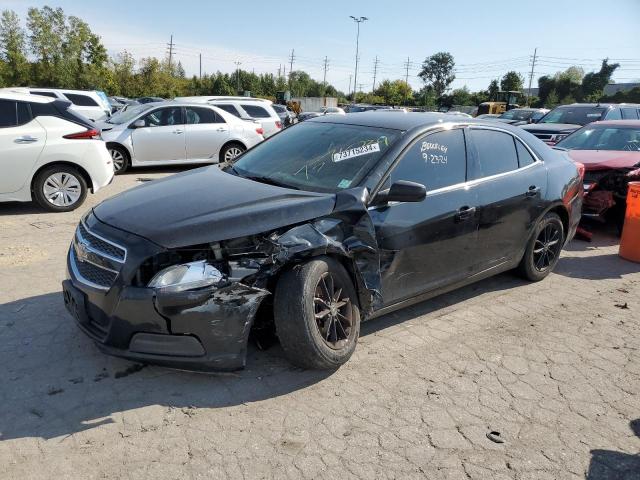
(268, 180)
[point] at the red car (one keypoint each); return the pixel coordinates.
(610, 153)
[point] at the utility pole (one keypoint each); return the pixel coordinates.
(291, 59)
(358, 20)
(170, 45)
(279, 69)
(533, 65)
(200, 66)
(350, 77)
(406, 77)
(324, 81)
(375, 72)
(238, 63)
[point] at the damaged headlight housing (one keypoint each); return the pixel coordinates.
(187, 276)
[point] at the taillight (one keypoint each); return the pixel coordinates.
(90, 134)
(260, 131)
(279, 125)
(580, 169)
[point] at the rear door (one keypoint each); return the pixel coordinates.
(510, 185)
(205, 132)
(162, 138)
(22, 139)
(425, 245)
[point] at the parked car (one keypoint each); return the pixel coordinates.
(287, 117)
(170, 133)
(566, 119)
(523, 116)
(150, 99)
(119, 103)
(302, 116)
(340, 219)
(49, 153)
(488, 116)
(92, 104)
(332, 111)
(246, 108)
(365, 107)
(610, 153)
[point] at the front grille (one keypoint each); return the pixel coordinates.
(543, 136)
(95, 260)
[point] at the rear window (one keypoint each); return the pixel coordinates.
(256, 111)
(24, 115)
(574, 115)
(496, 153)
(7, 113)
(46, 94)
(81, 100)
(229, 109)
(44, 110)
(629, 114)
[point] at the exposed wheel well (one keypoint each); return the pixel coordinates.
(119, 145)
(233, 142)
(562, 212)
(82, 171)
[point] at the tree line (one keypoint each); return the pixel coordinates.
(56, 50)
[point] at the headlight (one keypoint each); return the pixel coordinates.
(560, 136)
(187, 276)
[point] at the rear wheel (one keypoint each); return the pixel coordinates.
(231, 151)
(316, 314)
(120, 159)
(60, 188)
(543, 250)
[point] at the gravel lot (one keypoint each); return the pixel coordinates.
(554, 367)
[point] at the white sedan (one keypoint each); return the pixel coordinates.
(48, 153)
(171, 133)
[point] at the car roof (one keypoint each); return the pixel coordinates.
(25, 97)
(617, 123)
(600, 105)
(405, 121)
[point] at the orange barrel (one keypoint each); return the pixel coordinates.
(630, 241)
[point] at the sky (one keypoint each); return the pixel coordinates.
(486, 38)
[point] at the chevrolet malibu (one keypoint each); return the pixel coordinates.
(334, 221)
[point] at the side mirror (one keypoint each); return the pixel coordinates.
(402, 191)
(138, 124)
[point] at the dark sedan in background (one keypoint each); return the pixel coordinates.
(340, 219)
(522, 116)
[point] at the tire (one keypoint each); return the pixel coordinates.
(299, 297)
(120, 158)
(543, 249)
(59, 188)
(230, 151)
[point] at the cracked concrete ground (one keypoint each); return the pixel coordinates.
(554, 367)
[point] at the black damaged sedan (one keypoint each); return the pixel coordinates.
(329, 223)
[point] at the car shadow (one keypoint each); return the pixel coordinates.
(596, 267)
(612, 465)
(56, 382)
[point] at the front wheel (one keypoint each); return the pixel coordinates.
(543, 250)
(316, 314)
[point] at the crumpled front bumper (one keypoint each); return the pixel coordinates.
(195, 330)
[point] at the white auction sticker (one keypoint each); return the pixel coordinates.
(356, 152)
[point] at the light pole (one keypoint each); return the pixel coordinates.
(358, 20)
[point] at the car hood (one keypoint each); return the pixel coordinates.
(208, 205)
(551, 127)
(605, 159)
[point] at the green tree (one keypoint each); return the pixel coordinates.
(512, 81)
(13, 50)
(593, 83)
(493, 89)
(47, 29)
(437, 72)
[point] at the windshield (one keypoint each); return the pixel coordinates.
(320, 157)
(129, 114)
(517, 114)
(574, 115)
(603, 138)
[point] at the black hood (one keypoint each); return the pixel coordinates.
(551, 127)
(208, 205)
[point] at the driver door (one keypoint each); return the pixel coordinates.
(426, 245)
(162, 138)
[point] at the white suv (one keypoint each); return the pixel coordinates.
(48, 153)
(246, 108)
(92, 104)
(170, 133)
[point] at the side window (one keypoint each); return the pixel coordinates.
(629, 114)
(198, 115)
(614, 114)
(229, 108)
(524, 157)
(43, 109)
(46, 94)
(436, 160)
(8, 113)
(24, 114)
(164, 117)
(81, 100)
(496, 153)
(256, 111)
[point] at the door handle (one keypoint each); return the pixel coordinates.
(177, 132)
(221, 129)
(26, 139)
(465, 213)
(533, 191)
